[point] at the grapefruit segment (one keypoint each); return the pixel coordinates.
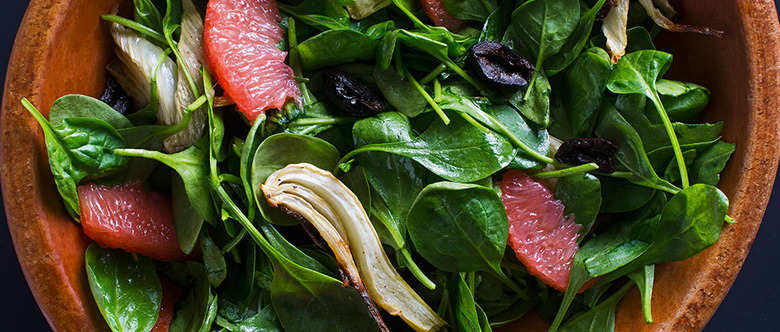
(543, 239)
(127, 217)
(171, 293)
(438, 14)
(240, 38)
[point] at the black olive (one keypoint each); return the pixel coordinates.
(499, 64)
(350, 96)
(116, 97)
(578, 151)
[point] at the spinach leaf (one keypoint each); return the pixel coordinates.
(643, 278)
(584, 84)
(498, 22)
(638, 39)
(273, 153)
(601, 317)
(575, 42)
(147, 14)
(79, 148)
(197, 308)
(186, 220)
(534, 101)
(213, 261)
(253, 139)
(637, 73)
(544, 25)
(683, 101)
(192, 165)
(620, 195)
(457, 152)
(581, 195)
(688, 224)
(399, 92)
(709, 163)
(630, 152)
(80, 106)
(127, 291)
(463, 305)
(470, 10)
(309, 10)
(335, 47)
(460, 228)
(298, 292)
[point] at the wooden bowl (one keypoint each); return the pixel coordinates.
(62, 47)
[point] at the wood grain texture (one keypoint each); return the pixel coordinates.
(62, 47)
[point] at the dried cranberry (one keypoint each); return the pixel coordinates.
(499, 64)
(578, 151)
(116, 97)
(350, 96)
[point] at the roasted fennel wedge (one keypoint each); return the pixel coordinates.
(315, 195)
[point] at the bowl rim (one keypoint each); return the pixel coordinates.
(28, 226)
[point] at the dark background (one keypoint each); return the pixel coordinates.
(752, 304)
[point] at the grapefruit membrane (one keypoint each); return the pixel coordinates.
(543, 239)
(240, 38)
(440, 16)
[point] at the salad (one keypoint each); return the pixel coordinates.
(397, 165)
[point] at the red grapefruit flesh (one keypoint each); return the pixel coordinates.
(171, 293)
(543, 239)
(438, 14)
(240, 38)
(127, 217)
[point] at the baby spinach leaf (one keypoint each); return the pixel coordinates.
(638, 39)
(80, 106)
(683, 101)
(637, 73)
(186, 219)
(253, 139)
(273, 153)
(325, 304)
(581, 195)
(643, 278)
(534, 104)
(544, 25)
(192, 165)
(709, 163)
(79, 148)
(147, 14)
(601, 317)
(630, 150)
(463, 305)
(498, 22)
(575, 42)
(470, 10)
(620, 195)
(213, 261)
(584, 84)
(399, 92)
(457, 152)
(460, 228)
(197, 308)
(127, 291)
(327, 9)
(334, 47)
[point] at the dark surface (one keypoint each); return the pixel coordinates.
(753, 303)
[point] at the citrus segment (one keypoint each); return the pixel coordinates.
(438, 14)
(543, 239)
(240, 40)
(127, 217)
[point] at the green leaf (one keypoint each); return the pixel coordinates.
(197, 307)
(213, 261)
(600, 318)
(638, 72)
(80, 106)
(575, 42)
(465, 309)
(127, 291)
(544, 25)
(457, 152)
(399, 92)
(334, 47)
(620, 195)
(186, 219)
(708, 164)
(459, 227)
(470, 10)
(498, 22)
(581, 195)
(534, 104)
(584, 84)
(643, 278)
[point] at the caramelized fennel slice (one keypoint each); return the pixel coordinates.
(316, 194)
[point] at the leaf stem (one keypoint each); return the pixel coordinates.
(321, 121)
(566, 171)
(511, 284)
(462, 73)
(425, 95)
(416, 272)
(673, 138)
(433, 74)
(135, 26)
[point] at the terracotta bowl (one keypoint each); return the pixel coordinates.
(63, 47)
